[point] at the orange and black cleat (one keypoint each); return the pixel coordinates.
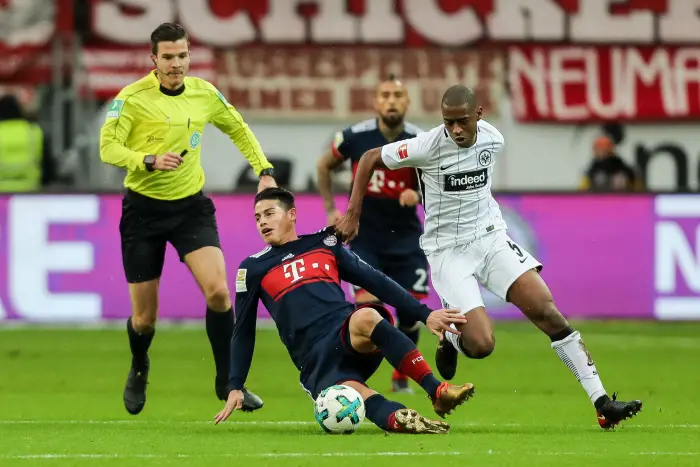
(448, 397)
(612, 411)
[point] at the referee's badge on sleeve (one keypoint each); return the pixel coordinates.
(115, 109)
(240, 280)
(221, 98)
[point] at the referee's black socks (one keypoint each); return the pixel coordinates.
(139, 343)
(220, 331)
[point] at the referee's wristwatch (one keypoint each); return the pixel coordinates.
(149, 161)
(269, 172)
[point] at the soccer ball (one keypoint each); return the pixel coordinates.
(339, 409)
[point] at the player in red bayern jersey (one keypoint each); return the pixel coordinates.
(389, 239)
(330, 341)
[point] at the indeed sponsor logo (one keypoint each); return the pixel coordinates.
(466, 181)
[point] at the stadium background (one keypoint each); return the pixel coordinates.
(551, 80)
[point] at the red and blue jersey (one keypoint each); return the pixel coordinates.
(381, 211)
(300, 285)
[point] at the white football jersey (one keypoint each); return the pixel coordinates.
(456, 183)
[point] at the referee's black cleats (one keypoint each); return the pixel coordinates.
(135, 390)
(251, 401)
(446, 359)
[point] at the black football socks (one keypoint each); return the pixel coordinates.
(139, 343)
(220, 330)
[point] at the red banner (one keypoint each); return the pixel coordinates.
(590, 84)
(450, 23)
(28, 29)
(322, 58)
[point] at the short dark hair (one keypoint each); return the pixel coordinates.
(284, 197)
(459, 94)
(167, 32)
(390, 78)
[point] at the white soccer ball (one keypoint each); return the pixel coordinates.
(339, 409)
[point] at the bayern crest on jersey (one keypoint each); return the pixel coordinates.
(330, 240)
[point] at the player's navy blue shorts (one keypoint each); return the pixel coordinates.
(399, 257)
(333, 360)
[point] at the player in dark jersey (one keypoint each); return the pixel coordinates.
(330, 342)
(389, 238)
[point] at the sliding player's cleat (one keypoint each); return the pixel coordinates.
(448, 397)
(410, 421)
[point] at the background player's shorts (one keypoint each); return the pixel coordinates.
(494, 260)
(147, 224)
(332, 360)
(407, 267)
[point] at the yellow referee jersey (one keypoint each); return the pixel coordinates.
(145, 120)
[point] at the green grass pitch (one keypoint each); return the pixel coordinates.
(61, 404)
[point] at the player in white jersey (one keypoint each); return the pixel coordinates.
(466, 242)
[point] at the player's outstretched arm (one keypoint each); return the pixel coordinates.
(414, 152)
(242, 343)
(347, 227)
(352, 269)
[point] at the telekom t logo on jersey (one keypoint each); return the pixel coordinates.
(294, 269)
(313, 266)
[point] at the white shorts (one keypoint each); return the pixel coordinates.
(493, 260)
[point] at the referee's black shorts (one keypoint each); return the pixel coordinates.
(147, 224)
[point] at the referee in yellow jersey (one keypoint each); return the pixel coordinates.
(153, 129)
